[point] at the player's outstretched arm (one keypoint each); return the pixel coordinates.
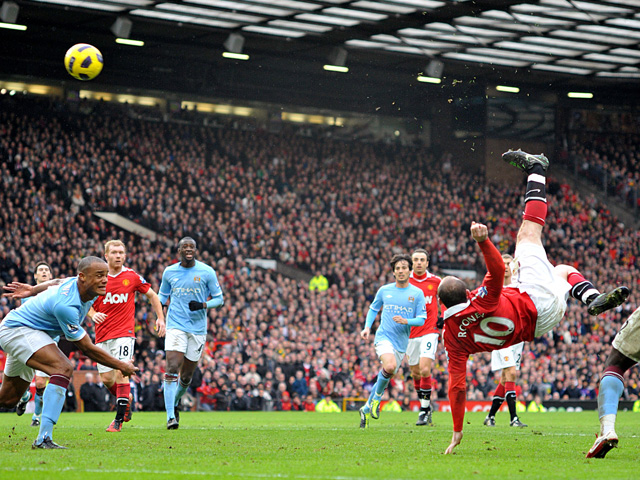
(98, 355)
(161, 328)
(23, 290)
(479, 232)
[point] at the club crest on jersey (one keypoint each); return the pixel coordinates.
(196, 279)
(412, 299)
(506, 358)
(429, 287)
(126, 282)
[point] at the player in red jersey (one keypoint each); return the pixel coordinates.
(423, 341)
(492, 317)
(114, 316)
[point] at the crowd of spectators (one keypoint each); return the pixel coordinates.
(320, 205)
(604, 147)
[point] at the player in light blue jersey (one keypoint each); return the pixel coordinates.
(403, 306)
(193, 288)
(26, 334)
(41, 274)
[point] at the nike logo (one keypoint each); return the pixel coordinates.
(536, 190)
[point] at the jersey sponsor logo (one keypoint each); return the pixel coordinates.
(65, 290)
(398, 310)
(126, 282)
(179, 292)
(114, 298)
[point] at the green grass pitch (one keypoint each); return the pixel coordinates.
(296, 445)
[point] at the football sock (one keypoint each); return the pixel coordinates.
(170, 389)
(383, 381)
(182, 388)
(416, 384)
(26, 396)
(510, 397)
(611, 388)
(498, 398)
(53, 401)
(114, 389)
(425, 393)
(582, 289)
(535, 209)
(122, 401)
(38, 401)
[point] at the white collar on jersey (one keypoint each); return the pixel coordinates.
(456, 309)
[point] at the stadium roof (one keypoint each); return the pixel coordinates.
(568, 43)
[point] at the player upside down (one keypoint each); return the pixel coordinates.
(492, 317)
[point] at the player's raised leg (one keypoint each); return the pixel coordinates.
(535, 213)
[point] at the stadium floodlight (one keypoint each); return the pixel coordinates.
(233, 47)
(13, 26)
(337, 61)
(425, 79)
(235, 56)
(432, 72)
(507, 89)
(580, 95)
(128, 41)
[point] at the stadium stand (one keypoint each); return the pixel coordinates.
(312, 202)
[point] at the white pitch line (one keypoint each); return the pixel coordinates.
(207, 473)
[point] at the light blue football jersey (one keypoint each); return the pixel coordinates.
(407, 302)
(58, 310)
(184, 285)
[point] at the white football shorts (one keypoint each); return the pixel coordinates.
(425, 346)
(20, 343)
(510, 356)
(627, 341)
(188, 343)
(385, 346)
(121, 348)
(535, 276)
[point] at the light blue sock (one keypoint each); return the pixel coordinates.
(381, 384)
(53, 401)
(367, 406)
(181, 391)
(38, 401)
(26, 396)
(170, 389)
(610, 391)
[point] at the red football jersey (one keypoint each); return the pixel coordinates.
(429, 286)
(493, 318)
(119, 304)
